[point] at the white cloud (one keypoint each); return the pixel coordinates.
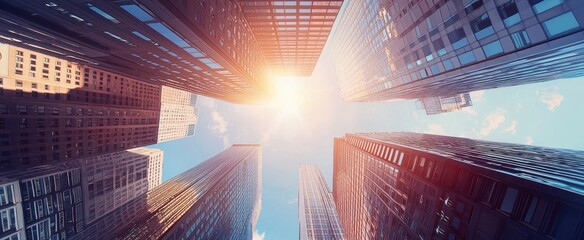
(512, 129)
(258, 236)
(477, 96)
(293, 201)
(551, 97)
(529, 141)
(219, 126)
(435, 129)
(492, 122)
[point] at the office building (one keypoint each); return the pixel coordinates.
(111, 180)
(317, 214)
(205, 48)
(419, 186)
(53, 110)
(217, 199)
(44, 202)
(229, 50)
(11, 210)
(291, 34)
(444, 104)
(178, 114)
(401, 49)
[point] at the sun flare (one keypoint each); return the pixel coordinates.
(288, 96)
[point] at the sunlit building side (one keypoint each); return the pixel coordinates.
(111, 180)
(444, 104)
(53, 110)
(178, 114)
(291, 34)
(44, 202)
(317, 215)
(217, 199)
(419, 186)
(402, 49)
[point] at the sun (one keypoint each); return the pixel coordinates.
(288, 96)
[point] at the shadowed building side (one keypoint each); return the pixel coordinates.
(43, 202)
(54, 111)
(408, 185)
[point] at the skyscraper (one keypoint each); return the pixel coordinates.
(53, 110)
(217, 199)
(419, 186)
(401, 49)
(111, 180)
(200, 47)
(44, 202)
(204, 47)
(444, 104)
(317, 214)
(291, 34)
(178, 114)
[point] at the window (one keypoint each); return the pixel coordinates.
(482, 27)
(509, 13)
(448, 64)
(169, 34)
(435, 69)
(564, 226)
(493, 48)
(18, 83)
(520, 39)
(487, 191)
(540, 6)
(560, 24)
(473, 6)
(466, 58)
(102, 13)
(457, 38)
(427, 53)
(509, 200)
(439, 47)
(21, 110)
(138, 13)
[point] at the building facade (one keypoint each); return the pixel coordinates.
(317, 214)
(217, 199)
(111, 180)
(428, 48)
(43, 202)
(229, 50)
(291, 34)
(178, 114)
(52, 110)
(419, 186)
(444, 104)
(200, 47)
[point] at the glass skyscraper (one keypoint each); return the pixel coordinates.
(419, 186)
(317, 214)
(291, 34)
(228, 50)
(386, 49)
(217, 199)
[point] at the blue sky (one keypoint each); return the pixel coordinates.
(545, 114)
